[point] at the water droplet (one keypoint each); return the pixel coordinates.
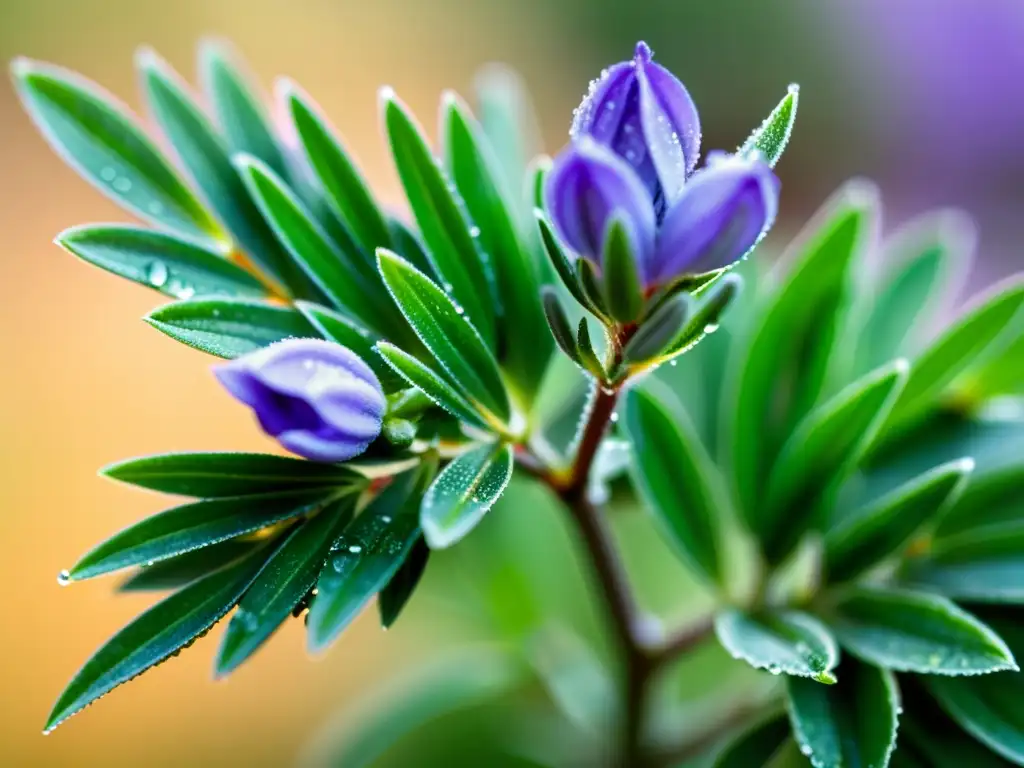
(338, 563)
(474, 231)
(64, 578)
(185, 292)
(155, 208)
(710, 327)
(805, 750)
(459, 310)
(247, 620)
(385, 518)
(775, 669)
(673, 363)
(122, 184)
(355, 549)
(157, 274)
(109, 173)
(447, 287)
(614, 417)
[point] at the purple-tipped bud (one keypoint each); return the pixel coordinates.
(586, 189)
(644, 114)
(724, 210)
(317, 398)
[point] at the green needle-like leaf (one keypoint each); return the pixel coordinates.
(677, 481)
(335, 275)
(822, 449)
(447, 333)
(772, 136)
(394, 597)
(563, 267)
(850, 724)
(664, 325)
(365, 559)
(433, 385)
(208, 160)
(238, 104)
(790, 643)
(879, 530)
(191, 526)
(181, 570)
(217, 475)
(559, 325)
(620, 281)
(175, 267)
(452, 250)
(463, 493)
(782, 374)
(916, 632)
(987, 707)
(100, 139)
(229, 328)
(585, 347)
(954, 352)
(286, 578)
(475, 172)
(156, 635)
(715, 297)
(346, 189)
(985, 566)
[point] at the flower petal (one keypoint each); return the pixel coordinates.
(586, 187)
(720, 215)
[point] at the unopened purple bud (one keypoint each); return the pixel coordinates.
(586, 189)
(725, 209)
(317, 398)
(644, 114)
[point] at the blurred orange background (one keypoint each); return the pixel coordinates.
(87, 383)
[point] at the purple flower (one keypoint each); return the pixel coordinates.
(641, 111)
(317, 398)
(720, 214)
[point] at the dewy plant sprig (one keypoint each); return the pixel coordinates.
(834, 476)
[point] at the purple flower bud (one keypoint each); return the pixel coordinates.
(586, 189)
(722, 213)
(644, 114)
(317, 398)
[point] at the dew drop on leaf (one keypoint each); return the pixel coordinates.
(157, 274)
(355, 549)
(122, 184)
(109, 173)
(64, 578)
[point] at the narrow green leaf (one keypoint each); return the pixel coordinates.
(916, 632)
(588, 357)
(560, 261)
(881, 529)
(175, 267)
(409, 246)
(537, 175)
(432, 385)
(677, 481)
(822, 449)
(451, 248)
(176, 572)
(991, 499)
(986, 566)
(781, 373)
(656, 332)
(347, 190)
(757, 745)
(772, 136)
(229, 328)
(927, 734)
(238, 104)
(790, 643)
(1000, 372)
(446, 331)
(955, 351)
(715, 297)
(474, 169)
(850, 724)
(623, 294)
(987, 707)
(98, 137)
(590, 284)
(156, 635)
(558, 324)
(463, 493)
(347, 332)
(394, 597)
(208, 160)
(924, 263)
(335, 275)
(217, 475)
(191, 526)
(284, 581)
(365, 559)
